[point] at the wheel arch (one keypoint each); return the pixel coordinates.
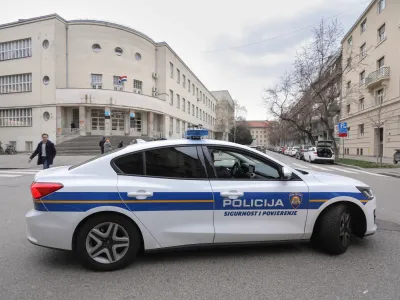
(107, 212)
(356, 208)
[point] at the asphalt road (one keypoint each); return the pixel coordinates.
(369, 270)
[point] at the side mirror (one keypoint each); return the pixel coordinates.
(287, 173)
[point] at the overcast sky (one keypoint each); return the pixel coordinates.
(206, 34)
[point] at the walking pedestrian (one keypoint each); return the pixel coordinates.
(46, 152)
(101, 144)
(73, 126)
(107, 146)
(121, 144)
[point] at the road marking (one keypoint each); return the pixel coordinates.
(371, 173)
(343, 170)
(321, 168)
(10, 176)
(19, 172)
(301, 166)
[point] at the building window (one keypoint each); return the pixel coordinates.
(381, 63)
(361, 104)
(178, 101)
(363, 50)
(178, 76)
(183, 104)
(197, 112)
(348, 62)
(136, 123)
(193, 89)
(16, 49)
(382, 33)
(184, 81)
(138, 56)
(45, 44)
(204, 99)
(381, 5)
(118, 51)
(15, 83)
(119, 83)
(171, 69)
(379, 97)
(137, 86)
(204, 116)
(200, 115)
(188, 85)
(361, 130)
(46, 80)
(348, 108)
(348, 86)
(197, 93)
(171, 125)
(363, 25)
(189, 107)
(171, 97)
(350, 41)
(97, 81)
(178, 126)
(16, 117)
(362, 78)
(29, 146)
(96, 48)
(193, 109)
(361, 151)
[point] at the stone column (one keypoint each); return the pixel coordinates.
(88, 121)
(127, 122)
(150, 124)
(82, 120)
(59, 120)
(107, 122)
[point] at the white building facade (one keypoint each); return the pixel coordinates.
(104, 78)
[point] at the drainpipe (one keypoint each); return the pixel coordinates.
(66, 56)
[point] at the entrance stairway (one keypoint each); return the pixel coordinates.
(89, 145)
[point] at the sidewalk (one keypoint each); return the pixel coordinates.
(20, 161)
(385, 160)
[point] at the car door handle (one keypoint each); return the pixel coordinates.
(232, 194)
(140, 195)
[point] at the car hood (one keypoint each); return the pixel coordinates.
(333, 179)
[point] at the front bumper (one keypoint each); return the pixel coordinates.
(371, 217)
(52, 229)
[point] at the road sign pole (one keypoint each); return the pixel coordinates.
(343, 147)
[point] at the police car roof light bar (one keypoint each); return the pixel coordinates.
(196, 132)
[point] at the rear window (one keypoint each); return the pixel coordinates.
(324, 144)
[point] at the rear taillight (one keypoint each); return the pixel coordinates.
(42, 189)
(315, 153)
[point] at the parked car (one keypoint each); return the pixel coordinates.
(294, 150)
(321, 153)
(300, 153)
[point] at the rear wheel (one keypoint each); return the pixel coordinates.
(107, 242)
(334, 229)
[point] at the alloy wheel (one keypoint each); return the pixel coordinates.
(107, 243)
(345, 229)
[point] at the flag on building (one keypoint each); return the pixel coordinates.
(122, 79)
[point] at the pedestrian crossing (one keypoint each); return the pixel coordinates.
(14, 173)
(325, 168)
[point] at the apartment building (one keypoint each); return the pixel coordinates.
(259, 132)
(104, 78)
(225, 114)
(371, 86)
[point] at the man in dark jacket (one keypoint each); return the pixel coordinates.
(46, 151)
(101, 144)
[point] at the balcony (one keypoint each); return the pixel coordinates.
(378, 78)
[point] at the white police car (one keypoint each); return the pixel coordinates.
(176, 193)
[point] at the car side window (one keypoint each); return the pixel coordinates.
(174, 162)
(131, 164)
(241, 165)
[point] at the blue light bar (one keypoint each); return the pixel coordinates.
(196, 133)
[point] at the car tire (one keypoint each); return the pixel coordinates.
(334, 229)
(125, 229)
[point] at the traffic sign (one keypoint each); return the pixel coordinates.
(342, 129)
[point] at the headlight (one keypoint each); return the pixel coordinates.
(366, 191)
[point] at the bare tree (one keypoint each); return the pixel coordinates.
(239, 119)
(282, 103)
(318, 71)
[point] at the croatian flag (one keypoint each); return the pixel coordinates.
(122, 79)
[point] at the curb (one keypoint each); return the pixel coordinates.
(390, 174)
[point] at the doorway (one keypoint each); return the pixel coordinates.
(378, 142)
(118, 122)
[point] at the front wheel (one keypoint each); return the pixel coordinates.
(334, 229)
(395, 161)
(107, 242)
